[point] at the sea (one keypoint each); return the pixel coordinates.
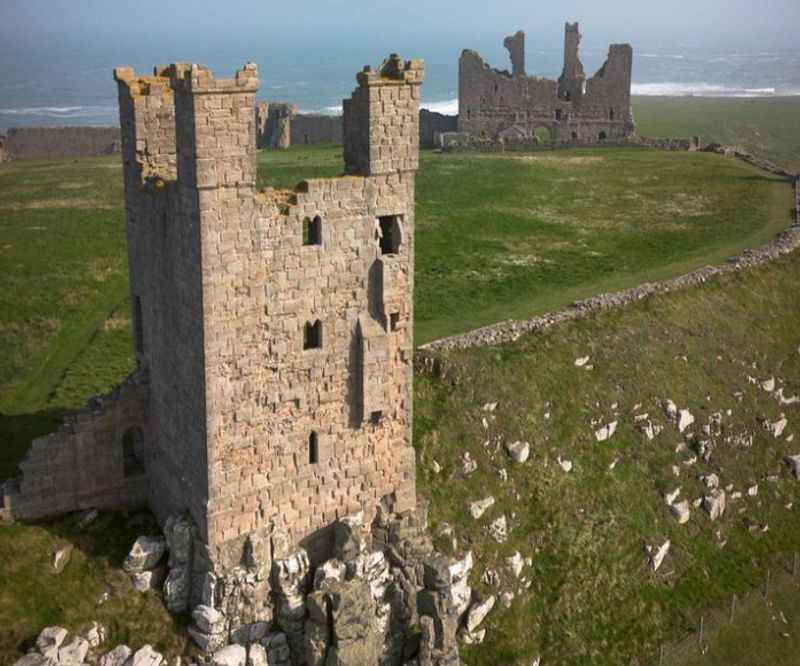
(77, 88)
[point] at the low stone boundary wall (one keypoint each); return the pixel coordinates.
(508, 331)
(23, 143)
(94, 460)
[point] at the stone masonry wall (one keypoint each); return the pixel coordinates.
(256, 427)
(83, 464)
(500, 106)
(431, 124)
(57, 142)
(165, 262)
(267, 395)
(311, 128)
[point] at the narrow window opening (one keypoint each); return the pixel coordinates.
(390, 234)
(313, 449)
(558, 114)
(394, 321)
(574, 135)
(611, 114)
(312, 231)
(375, 417)
(138, 325)
(313, 335)
(133, 452)
(603, 136)
(305, 139)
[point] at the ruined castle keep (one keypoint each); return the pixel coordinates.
(268, 422)
(500, 106)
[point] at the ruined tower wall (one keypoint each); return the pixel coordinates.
(309, 128)
(83, 464)
(165, 263)
(497, 106)
(266, 393)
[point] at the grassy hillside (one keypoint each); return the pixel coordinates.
(767, 127)
(497, 237)
(593, 598)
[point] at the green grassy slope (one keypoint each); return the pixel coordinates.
(497, 237)
(766, 127)
(593, 598)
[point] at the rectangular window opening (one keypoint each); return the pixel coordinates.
(375, 417)
(394, 321)
(312, 338)
(390, 234)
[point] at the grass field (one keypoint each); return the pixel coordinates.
(497, 237)
(766, 127)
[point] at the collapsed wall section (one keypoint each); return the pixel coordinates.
(96, 459)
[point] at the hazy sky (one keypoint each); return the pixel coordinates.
(50, 26)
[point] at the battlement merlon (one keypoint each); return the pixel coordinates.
(181, 123)
(381, 119)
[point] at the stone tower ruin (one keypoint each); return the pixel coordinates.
(268, 422)
(275, 327)
(500, 107)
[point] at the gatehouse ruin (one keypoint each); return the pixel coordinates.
(497, 106)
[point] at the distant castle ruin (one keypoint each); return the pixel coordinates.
(511, 107)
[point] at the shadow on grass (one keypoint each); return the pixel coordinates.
(18, 431)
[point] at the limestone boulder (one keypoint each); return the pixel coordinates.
(477, 614)
(179, 534)
(50, 640)
(793, 463)
(231, 655)
(498, 530)
(144, 581)
(479, 507)
(714, 504)
(681, 512)
(146, 656)
(60, 558)
(73, 653)
(257, 655)
(519, 451)
(277, 646)
(116, 657)
(95, 635)
(145, 554)
(178, 588)
(35, 659)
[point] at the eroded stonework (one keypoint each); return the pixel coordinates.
(500, 107)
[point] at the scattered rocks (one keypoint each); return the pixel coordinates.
(582, 361)
(436, 467)
(231, 655)
(60, 558)
(490, 407)
(146, 656)
(685, 419)
(681, 512)
(144, 581)
(468, 464)
(519, 451)
(657, 558)
(50, 640)
(498, 530)
(477, 509)
(515, 563)
(73, 652)
(477, 614)
(670, 409)
(566, 465)
(117, 657)
(776, 429)
(606, 432)
(793, 463)
(650, 430)
(710, 480)
(714, 504)
(752, 491)
(768, 385)
(669, 498)
(95, 635)
(145, 554)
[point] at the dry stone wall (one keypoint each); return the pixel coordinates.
(501, 107)
(56, 142)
